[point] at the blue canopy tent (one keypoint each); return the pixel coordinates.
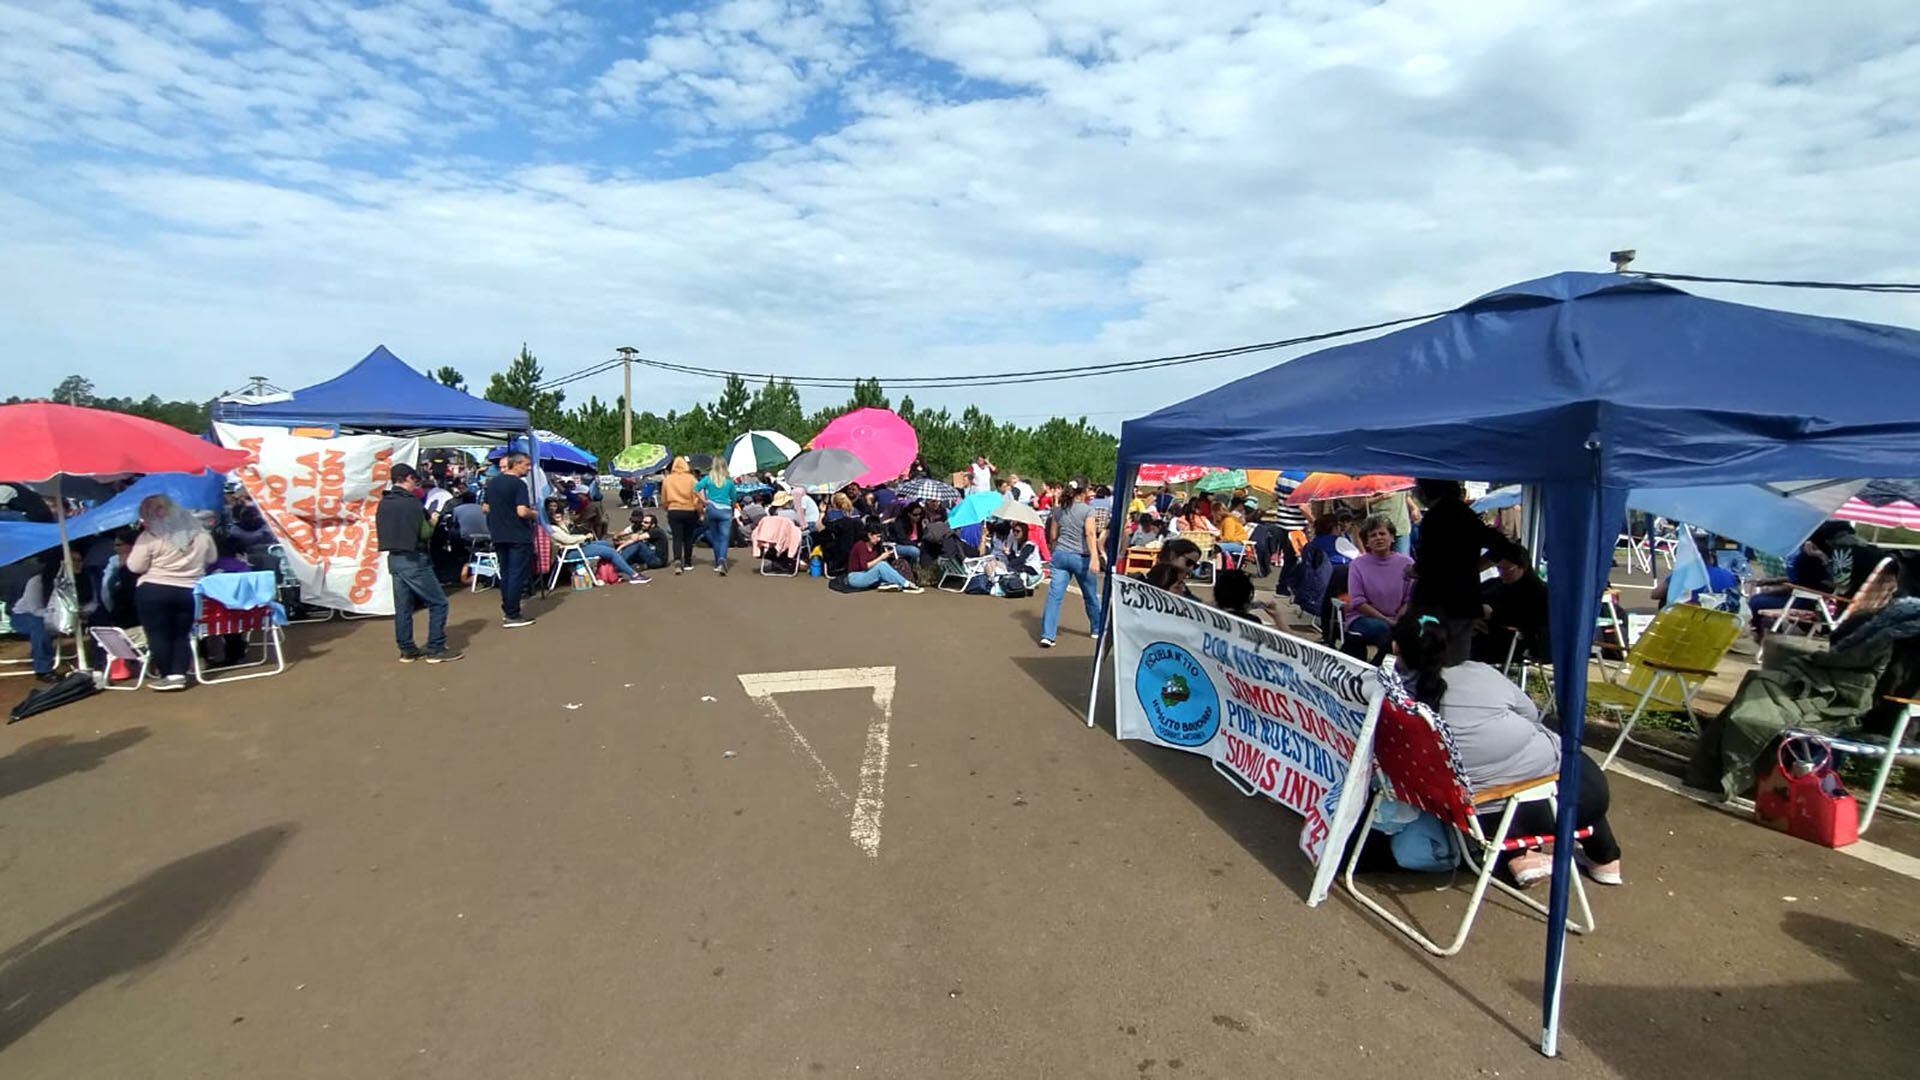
(382, 395)
(1587, 385)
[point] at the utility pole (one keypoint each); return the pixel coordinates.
(626, 400)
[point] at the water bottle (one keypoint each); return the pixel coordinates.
(815, 568)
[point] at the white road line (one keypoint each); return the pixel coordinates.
(1865, 850)
(864, 819)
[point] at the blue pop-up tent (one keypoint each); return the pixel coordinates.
(380, 394)
(1587, 385)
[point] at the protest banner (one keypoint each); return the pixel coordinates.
(319, 497)
(1280, 716)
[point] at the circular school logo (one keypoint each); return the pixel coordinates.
(1177, 694)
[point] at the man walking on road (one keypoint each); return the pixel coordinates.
(510, 522)
(403, 525)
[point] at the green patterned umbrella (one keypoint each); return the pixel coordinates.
(641, 459)
(1222, 481)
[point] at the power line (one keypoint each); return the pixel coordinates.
(1036, 375)
(1848, 286)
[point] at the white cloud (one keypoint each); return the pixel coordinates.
(1140, 177)
(740, 65)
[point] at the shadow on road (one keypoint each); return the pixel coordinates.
(1268, 833)
(45, 760)
(130, 929)
(1852, 1024)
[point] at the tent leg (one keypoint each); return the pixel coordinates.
(1102, 643)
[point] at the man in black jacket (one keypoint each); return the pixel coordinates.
(1448, 559)
(404, 527)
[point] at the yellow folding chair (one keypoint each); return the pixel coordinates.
(1667, 665)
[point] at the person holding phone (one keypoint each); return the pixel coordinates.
(870, 565)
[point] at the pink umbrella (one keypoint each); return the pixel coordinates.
(885, 442)
(1174, 474)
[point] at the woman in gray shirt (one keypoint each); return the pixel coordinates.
(1497, 731)
(1073, 533)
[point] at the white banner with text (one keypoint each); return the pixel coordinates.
(319, 498)
(1279, 715)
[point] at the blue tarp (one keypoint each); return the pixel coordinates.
(379, 393)
(558, 456)
(1588, 385)
(20, 539)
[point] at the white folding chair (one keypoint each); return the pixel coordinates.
(482, 561)
(1417, 765)
(218, 620)
(118, 646)
(1637, 551)
(1337, 608)
(565, 554)
(964, 569)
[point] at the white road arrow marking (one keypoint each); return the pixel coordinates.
(867, 804)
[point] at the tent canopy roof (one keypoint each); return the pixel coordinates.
(1674, 390)
(380, 393)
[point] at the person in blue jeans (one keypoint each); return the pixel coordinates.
(568, 531)
(870, 565)
(1073, 531)
(510, 521)
(403, 526)
(717, 489)
(29, 616)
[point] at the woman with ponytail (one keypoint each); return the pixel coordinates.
(1497, 731)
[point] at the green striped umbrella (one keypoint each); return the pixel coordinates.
(759, 451)
(1222, 481)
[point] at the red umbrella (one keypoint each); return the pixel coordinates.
(48, 443)
(1320, 486)
(878, 437)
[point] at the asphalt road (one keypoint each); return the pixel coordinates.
(589, 851)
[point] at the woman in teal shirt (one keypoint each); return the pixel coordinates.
(717, 489)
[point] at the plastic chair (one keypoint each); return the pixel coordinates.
(118, 646)
(1666, 667)
(1874, 593)
(217, 620)
(1415, 763)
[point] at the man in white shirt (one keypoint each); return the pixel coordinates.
(982, 473)
(1022, 491)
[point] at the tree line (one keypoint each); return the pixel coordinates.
(1054, 449)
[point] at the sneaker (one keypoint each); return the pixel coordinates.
(170, 682)
(1530, 869)
(910, 587)
(886, 587)
(409, 655)
(515, 624)
(1046, 643)
(445, 656)
(719, 569)
(722, 568)
(45, 677)
(677, 570)
(639, 579)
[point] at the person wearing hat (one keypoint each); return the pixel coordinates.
(403, 526)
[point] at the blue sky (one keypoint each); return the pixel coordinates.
(201, 192)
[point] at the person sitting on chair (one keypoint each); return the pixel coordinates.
(1233, 593)
(1515, 603)
(1497, 732)
(563, 535)
(1378, 587)
(870, 565)
(1233, 532)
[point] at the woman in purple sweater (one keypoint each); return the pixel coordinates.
(1378, 588)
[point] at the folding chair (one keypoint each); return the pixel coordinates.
(1609, 621)
(217, 619)
(1637, 551)
(118, 646)
(287, 587)
(1138, 560)
(1527, 662)
(1416, 764)
(1888, 748)
(1666, 667)
(965, 569)
(1204, 541)
(563, 554)
(482, 561)
(25, 664)
(1831, 609)
(1336, 629)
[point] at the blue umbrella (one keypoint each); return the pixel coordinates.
(554, 456)
(1497, 499)
(974, 509)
